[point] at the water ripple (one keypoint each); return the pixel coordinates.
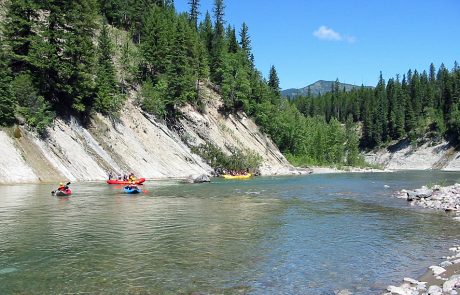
(283, 235)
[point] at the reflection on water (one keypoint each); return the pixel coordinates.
(279, 235)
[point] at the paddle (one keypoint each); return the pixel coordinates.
(53, 192)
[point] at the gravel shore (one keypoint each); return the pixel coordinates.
(445, 277)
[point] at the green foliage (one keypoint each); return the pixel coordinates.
(181, 76)
(238, 160)
(274, 81)
(32, 106)
(173, 55)
(7, 102)
(20, 32)
(236, 88)
(63, 59)
(194, 4)
(108, 98)
(418, 105)
(153, 97)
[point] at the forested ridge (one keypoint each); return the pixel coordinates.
(59, 58)
(413, 106)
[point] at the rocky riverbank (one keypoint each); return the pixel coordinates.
(426, 154)
(135, 142)
(445, 277)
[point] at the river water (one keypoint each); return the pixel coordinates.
(314, 234)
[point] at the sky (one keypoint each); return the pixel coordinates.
(349, 40)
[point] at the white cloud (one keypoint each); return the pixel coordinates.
(328, 34)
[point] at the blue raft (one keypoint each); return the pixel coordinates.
(131, 190)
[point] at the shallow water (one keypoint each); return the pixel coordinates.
(270, 235)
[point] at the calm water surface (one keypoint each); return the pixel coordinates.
(275, 235)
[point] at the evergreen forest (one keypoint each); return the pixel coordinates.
(61, 58)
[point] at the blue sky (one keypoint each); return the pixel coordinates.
(350, 40)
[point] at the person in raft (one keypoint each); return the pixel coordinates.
(131, 186)
(132, 177)
(62, 187)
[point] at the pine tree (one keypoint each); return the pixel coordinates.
(193, 15)
(128, 66)
(245, 41)
(206, 32)
(399, 110)
(392, 108)
(181, 86)
(20, 31)
(274, 82)
(157, 42)
(232, 42)
(218, 43)
(65, 58)
(7, 102)
(381, 112)
(352, 143)
(236, 87)
(108, 98)
(368, 123)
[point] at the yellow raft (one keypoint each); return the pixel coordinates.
(246, 176)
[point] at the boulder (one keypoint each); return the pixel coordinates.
(437, 270)
(423, 192)
(434, 290)
(411, 281)
(202, 178)
(411, 196)
(397, 290)
(453, 282)
(445, 263)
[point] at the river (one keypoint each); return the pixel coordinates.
(314, 234)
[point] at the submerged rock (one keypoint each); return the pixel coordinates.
(7, 270)
(202, 178)
(197, 179)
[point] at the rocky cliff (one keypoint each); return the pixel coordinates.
(428, 155)
(136, 142)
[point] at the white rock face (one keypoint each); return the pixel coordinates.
(13, 168)
(136, 143)
(427, 156)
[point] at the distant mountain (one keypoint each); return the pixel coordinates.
(319, 87)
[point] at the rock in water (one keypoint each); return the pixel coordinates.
(8, 270)
(202, 178)
(418, 194)
(396, 290)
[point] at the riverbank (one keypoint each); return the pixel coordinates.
(136, 142)
(445, 277)
(425, 154)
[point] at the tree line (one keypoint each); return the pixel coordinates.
(412, 106)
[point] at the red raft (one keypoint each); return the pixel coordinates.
(115, 181)
(61, 193)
